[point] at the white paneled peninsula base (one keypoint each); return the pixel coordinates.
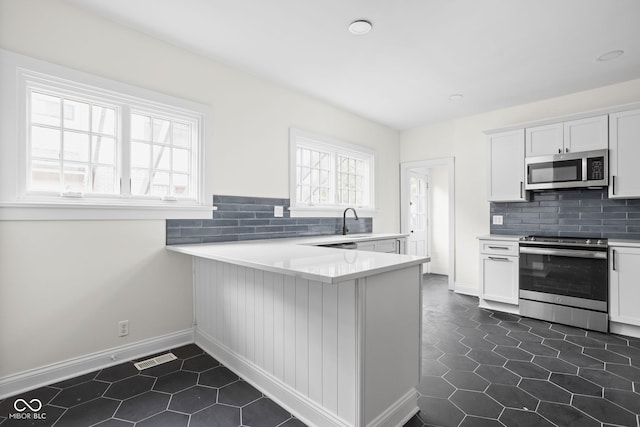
(333, 335)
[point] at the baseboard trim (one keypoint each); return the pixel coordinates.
(34, 378)
(399, 413)
(499, 306)
(299, 405)
(624, 329)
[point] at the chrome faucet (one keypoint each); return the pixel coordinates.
(344, 220)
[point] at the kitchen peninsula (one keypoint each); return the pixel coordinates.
(332, 334)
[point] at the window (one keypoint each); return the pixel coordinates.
(72, 145)
(327, 174)
(161, 152)
(86, 142)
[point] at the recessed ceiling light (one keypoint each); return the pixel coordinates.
(608, 56)
(360, 27)
(455, 97)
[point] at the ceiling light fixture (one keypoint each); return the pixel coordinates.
(608, 56)
(455, 97)
(360, 27)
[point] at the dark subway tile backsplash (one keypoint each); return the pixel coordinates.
(569, 213)
(251, 218)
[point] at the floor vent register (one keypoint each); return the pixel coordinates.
(155, 361)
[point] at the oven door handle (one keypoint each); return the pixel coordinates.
(563, 252)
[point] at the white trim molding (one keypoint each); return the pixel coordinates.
(29, 380)
(449, 163)
(22, 75)
(399, 413)
(57, 211)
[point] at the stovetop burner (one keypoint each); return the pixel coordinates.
(565, 241)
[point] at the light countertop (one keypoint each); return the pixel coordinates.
(631, 243)
(624, 242)
(302, 257)
(507, 237)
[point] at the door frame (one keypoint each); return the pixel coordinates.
(449, 163)
(426, 267)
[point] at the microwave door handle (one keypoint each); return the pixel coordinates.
(584, 169)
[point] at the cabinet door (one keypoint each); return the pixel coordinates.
(624, 292)
(624, 152)
(506, 167)
(586, 134)
(545, 140)
(499, 278)
(369, 246)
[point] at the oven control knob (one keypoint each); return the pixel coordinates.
(588, 242)
(532, 238)
(599, 242)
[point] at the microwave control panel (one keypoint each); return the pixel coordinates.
(595, 168)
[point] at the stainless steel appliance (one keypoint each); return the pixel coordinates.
(565, 280)
(568, 170)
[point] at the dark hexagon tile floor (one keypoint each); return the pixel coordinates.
(193, 391)
(480, 369)
(490, 368)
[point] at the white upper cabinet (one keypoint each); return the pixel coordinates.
(586, 134)
(568, 137)
(506, 166)
(544, 140)
(624, 152)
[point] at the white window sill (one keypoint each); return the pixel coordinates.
(39, 211)
(328, 211)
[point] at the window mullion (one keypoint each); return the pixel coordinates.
(61, 188)
(334, 179)
(124, 148)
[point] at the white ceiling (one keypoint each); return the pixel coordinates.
(497, 53)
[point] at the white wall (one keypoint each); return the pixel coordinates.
(464, 140)
(64, 285)
(439, 220)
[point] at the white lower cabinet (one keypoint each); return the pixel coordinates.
(624, 288)
(499, 263)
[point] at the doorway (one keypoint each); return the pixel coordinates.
(427, 213)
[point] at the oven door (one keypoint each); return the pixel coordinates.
(572, 277)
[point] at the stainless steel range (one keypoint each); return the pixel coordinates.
(565, 280)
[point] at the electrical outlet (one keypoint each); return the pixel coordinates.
(123, 328)
(497, 220)
(278, 211)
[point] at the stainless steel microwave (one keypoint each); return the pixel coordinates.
(569, 170)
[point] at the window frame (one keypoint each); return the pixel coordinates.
(18, 75)
(301, 138)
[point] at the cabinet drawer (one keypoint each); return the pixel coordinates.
(499, 247)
